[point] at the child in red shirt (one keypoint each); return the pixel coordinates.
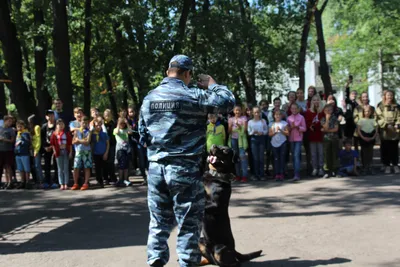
(313, 118)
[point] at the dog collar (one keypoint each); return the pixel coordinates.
(223, 177)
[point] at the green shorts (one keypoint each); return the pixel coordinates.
(83, 160)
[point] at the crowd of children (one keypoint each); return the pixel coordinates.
(326, 131)
(259, 136)
(64, 143)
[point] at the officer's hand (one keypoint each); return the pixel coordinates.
(211, 81)
(203, 81)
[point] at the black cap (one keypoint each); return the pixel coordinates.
(49, 111)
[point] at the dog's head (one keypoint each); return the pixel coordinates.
(222, 158)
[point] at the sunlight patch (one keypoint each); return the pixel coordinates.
(28, 231)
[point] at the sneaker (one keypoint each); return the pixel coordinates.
(244, 179)
(54, 186)
(21, 186)
(339, 175)
(314, 172)
(294, 179)
(254, 178)
(396, 170)
(75, 187)
(326, 176)
(9, 186)
(45, 186)
(237, 179)
(277, 178)
(387, 170)
(321, 172)
(85, 187)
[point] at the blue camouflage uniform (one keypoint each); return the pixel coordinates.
(173, 125)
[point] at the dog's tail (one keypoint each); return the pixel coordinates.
(248, 256)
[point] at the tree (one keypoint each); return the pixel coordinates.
(3, 102)
(13, 57)
(324, 67)
(311, 5)
(362, 46)
(86, 56)
(62, 54)
(41, 47)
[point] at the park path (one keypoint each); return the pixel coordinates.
(318, 222)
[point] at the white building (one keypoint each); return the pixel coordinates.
(286, 83)
(313, 77)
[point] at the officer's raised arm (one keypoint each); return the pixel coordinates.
(215, 98)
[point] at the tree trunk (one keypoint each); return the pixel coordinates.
(247, 86)
(3, 100)
(125, 99)
(86, 56)
(193, 37)
(62, 54)
(324, 67)
(110, 93)
(13, 57)
(25, 54)
(206, 18)
(304, 42)
(138, 66)
(124, 65)
(40, 42)
(107, 77)
(182, 26)
(248, 74)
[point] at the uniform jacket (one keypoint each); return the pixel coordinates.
(173, 118)
(388, 114)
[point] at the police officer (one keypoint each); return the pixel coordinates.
(173, 127)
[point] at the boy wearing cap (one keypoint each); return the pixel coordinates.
(49, 161)
(169, 127)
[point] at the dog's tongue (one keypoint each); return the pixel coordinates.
(212, 159)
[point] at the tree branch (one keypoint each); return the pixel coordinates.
(324, 6)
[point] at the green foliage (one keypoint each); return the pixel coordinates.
(216, 36)
(359, 31)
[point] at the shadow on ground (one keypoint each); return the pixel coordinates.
(296, 262)
(360, 195)
(38, 221)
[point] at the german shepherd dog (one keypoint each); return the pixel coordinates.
(217, 244)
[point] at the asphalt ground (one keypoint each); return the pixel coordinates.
(315, 222)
